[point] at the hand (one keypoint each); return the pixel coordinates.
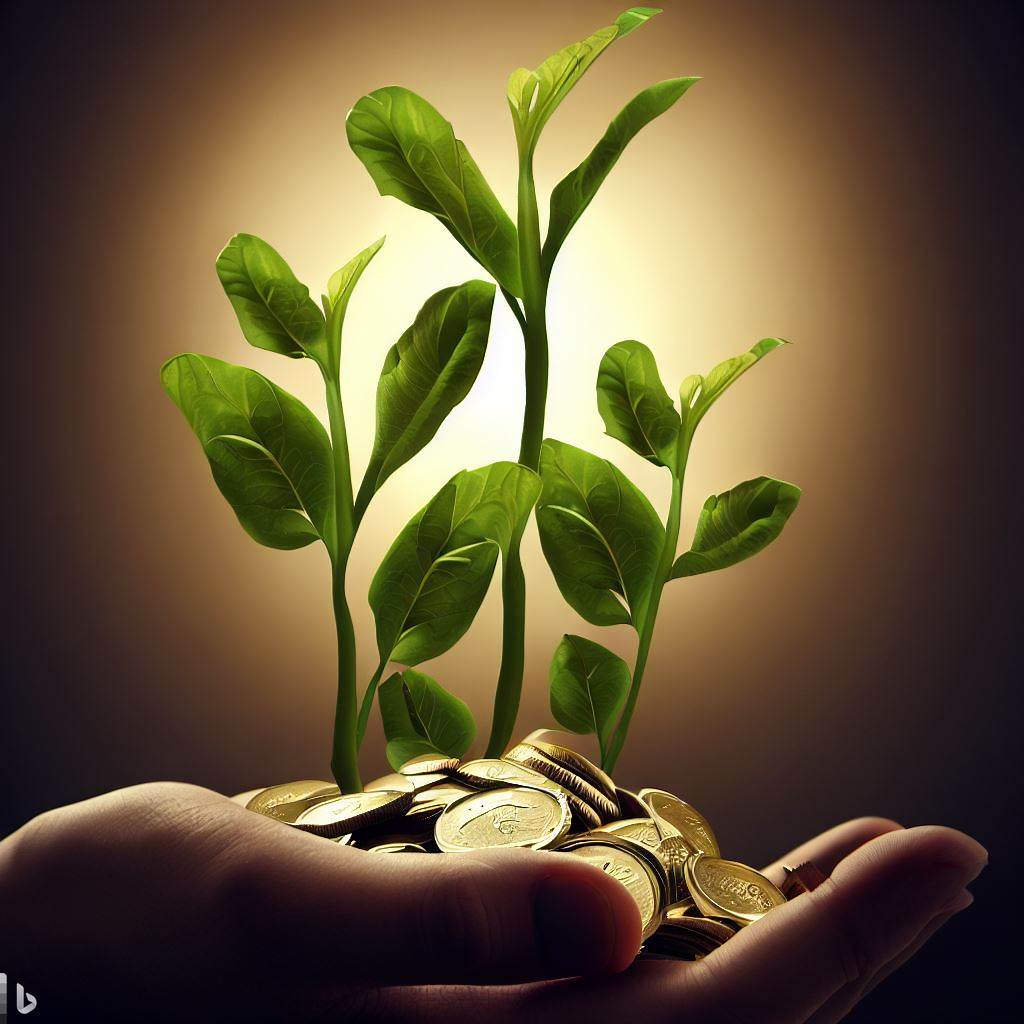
(810, 962)
(171, 901)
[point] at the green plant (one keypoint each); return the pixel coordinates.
(290, 482)
(610, 553)
(412, 153)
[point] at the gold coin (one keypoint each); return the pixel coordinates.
(508, 817)
(674, 852)
(688, 938)
(390, 781)
(725, 888)
(684, 908)
(428, 803)
(429, 764)
(626, 864)
(335, 815)
(677, 817)
(397, 848)
(640, 830)
(531, 757)
(584, 817)
(413, 783)
(266, 800)
(490, 772)
(582, 766)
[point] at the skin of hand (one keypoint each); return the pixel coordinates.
(168, 901)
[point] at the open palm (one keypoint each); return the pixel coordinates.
(120, 901)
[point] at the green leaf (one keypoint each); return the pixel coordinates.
(426, 374)
(588, 687)
(600, 535)
(339, 290)
(634, 404)
(342, 282)
(412, 154)
(433, 579)
(697, 394)
(421, 717)
(274, 310)
(737, 524)
(533, 96)
(573, 194)
(270, 455)
(495, 502)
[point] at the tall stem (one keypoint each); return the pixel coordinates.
(535, 335)
(535, 343)
(650, 614)
(345, 755)
(513, 642)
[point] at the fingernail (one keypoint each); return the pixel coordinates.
(576, 928)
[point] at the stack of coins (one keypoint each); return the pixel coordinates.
(544, 796)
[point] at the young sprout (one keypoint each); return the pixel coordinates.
(412, 153)
(610, 553)
(289, 481)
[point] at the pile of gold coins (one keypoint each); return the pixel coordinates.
(544, 796)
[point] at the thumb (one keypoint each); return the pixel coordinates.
(485, 917)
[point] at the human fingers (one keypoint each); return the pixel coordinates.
(842, 1002)
(487, 916)
(829, 848)
(878, 900)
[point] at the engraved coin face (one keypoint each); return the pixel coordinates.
(725, 888)
(508, 817)
(492, 772)
(266, 800)
(336, 815)
(640, 830)
(622, 864)
(489, 773)
(677, 817)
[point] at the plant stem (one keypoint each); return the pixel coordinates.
(535, 334)
(513, 640)
(650, 614)
(342, 474)
(344, 758)
(533, 320)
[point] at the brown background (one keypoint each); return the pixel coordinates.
(842, 177)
